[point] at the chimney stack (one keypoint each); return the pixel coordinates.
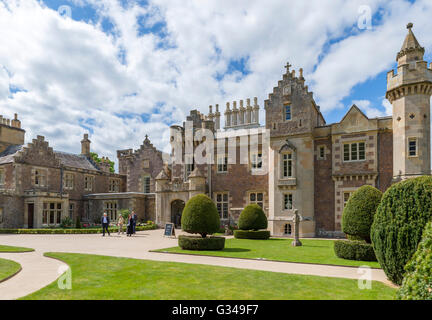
(85, 145)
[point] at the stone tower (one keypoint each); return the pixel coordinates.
(409, 92)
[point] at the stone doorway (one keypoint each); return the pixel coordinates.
(177, 207)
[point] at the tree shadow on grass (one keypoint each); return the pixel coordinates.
(235, 250)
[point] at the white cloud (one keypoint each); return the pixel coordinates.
(73, 76)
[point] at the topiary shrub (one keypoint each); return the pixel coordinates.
(199, 243)
(252, 234)
(354, 250)
(400, 219)
(200, 216)
(417, 284)
(357, 217)
(78, 223)
(252, 218)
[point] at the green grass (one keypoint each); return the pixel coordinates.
(108, 278)
(312, 251)
(14, 249)
(8, 268)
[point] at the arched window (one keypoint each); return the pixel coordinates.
(287, 229)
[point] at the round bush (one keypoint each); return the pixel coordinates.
(400, 219)
(200, 216)
(357, 217)
(417, 284)
(252, 218)
(252, 234)
(199, 243)
(354, 250)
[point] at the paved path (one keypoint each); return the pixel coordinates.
(39, 271)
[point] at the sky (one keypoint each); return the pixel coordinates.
(119, 69)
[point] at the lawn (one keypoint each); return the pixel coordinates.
(8, 268)
(14, 249)
(108, 278)
(312, 251)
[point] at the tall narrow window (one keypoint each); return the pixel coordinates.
(189, 166)
(288, 201)
(69, 181)
(346, 196)
(287, 229)
(114, 185)
(146, 184)
(88, 183)
(71, 210)
(40, 177)
(287, 112)
(2, 177)
(111, 210)
(321, 153)
(287, 170)
(256, 160)
(222, 205)
(412, 147)
(257, 198)
(222, 164)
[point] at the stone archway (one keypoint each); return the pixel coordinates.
(177, 207)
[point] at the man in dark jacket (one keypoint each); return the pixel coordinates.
(135, 218)
(105, 221)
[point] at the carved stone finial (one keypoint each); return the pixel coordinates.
(410, 25)
(288, 66)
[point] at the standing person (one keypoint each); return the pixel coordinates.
(105, 223)
(129, 229)
(120, 224)
(135, 218)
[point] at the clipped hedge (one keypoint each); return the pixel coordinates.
(359, 212)
(354, 250)
(252, 234)
(417, 284)
(199, 243)
(71, 231)
(404, 211)
(200, 216)
(252, 218)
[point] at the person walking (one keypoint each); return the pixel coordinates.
(135, 218)
(120, 224)
(129, 229)
(105, 221)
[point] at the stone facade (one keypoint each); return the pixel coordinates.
(295, 162)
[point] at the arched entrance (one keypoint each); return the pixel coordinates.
(177, 207)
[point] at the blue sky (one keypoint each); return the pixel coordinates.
(123, 69)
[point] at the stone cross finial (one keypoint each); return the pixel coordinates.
(288, 66)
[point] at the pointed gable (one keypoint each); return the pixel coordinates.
(354, 121)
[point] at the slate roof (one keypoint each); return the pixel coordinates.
(7, 155)
(66, 159)
(75, 161)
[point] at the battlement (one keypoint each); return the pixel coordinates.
(15, 123)
(408, 74)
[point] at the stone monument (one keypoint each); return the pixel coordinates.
(296, 219)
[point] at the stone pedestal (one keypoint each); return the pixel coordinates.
(296, 242)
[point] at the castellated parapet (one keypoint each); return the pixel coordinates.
(11, 132)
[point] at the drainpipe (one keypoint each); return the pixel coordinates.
(209, 174)
(61, 182)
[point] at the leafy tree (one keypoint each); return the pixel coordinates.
(98, 160)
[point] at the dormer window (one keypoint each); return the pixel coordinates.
(288, 113)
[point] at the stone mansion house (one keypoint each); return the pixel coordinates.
(312, 166)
